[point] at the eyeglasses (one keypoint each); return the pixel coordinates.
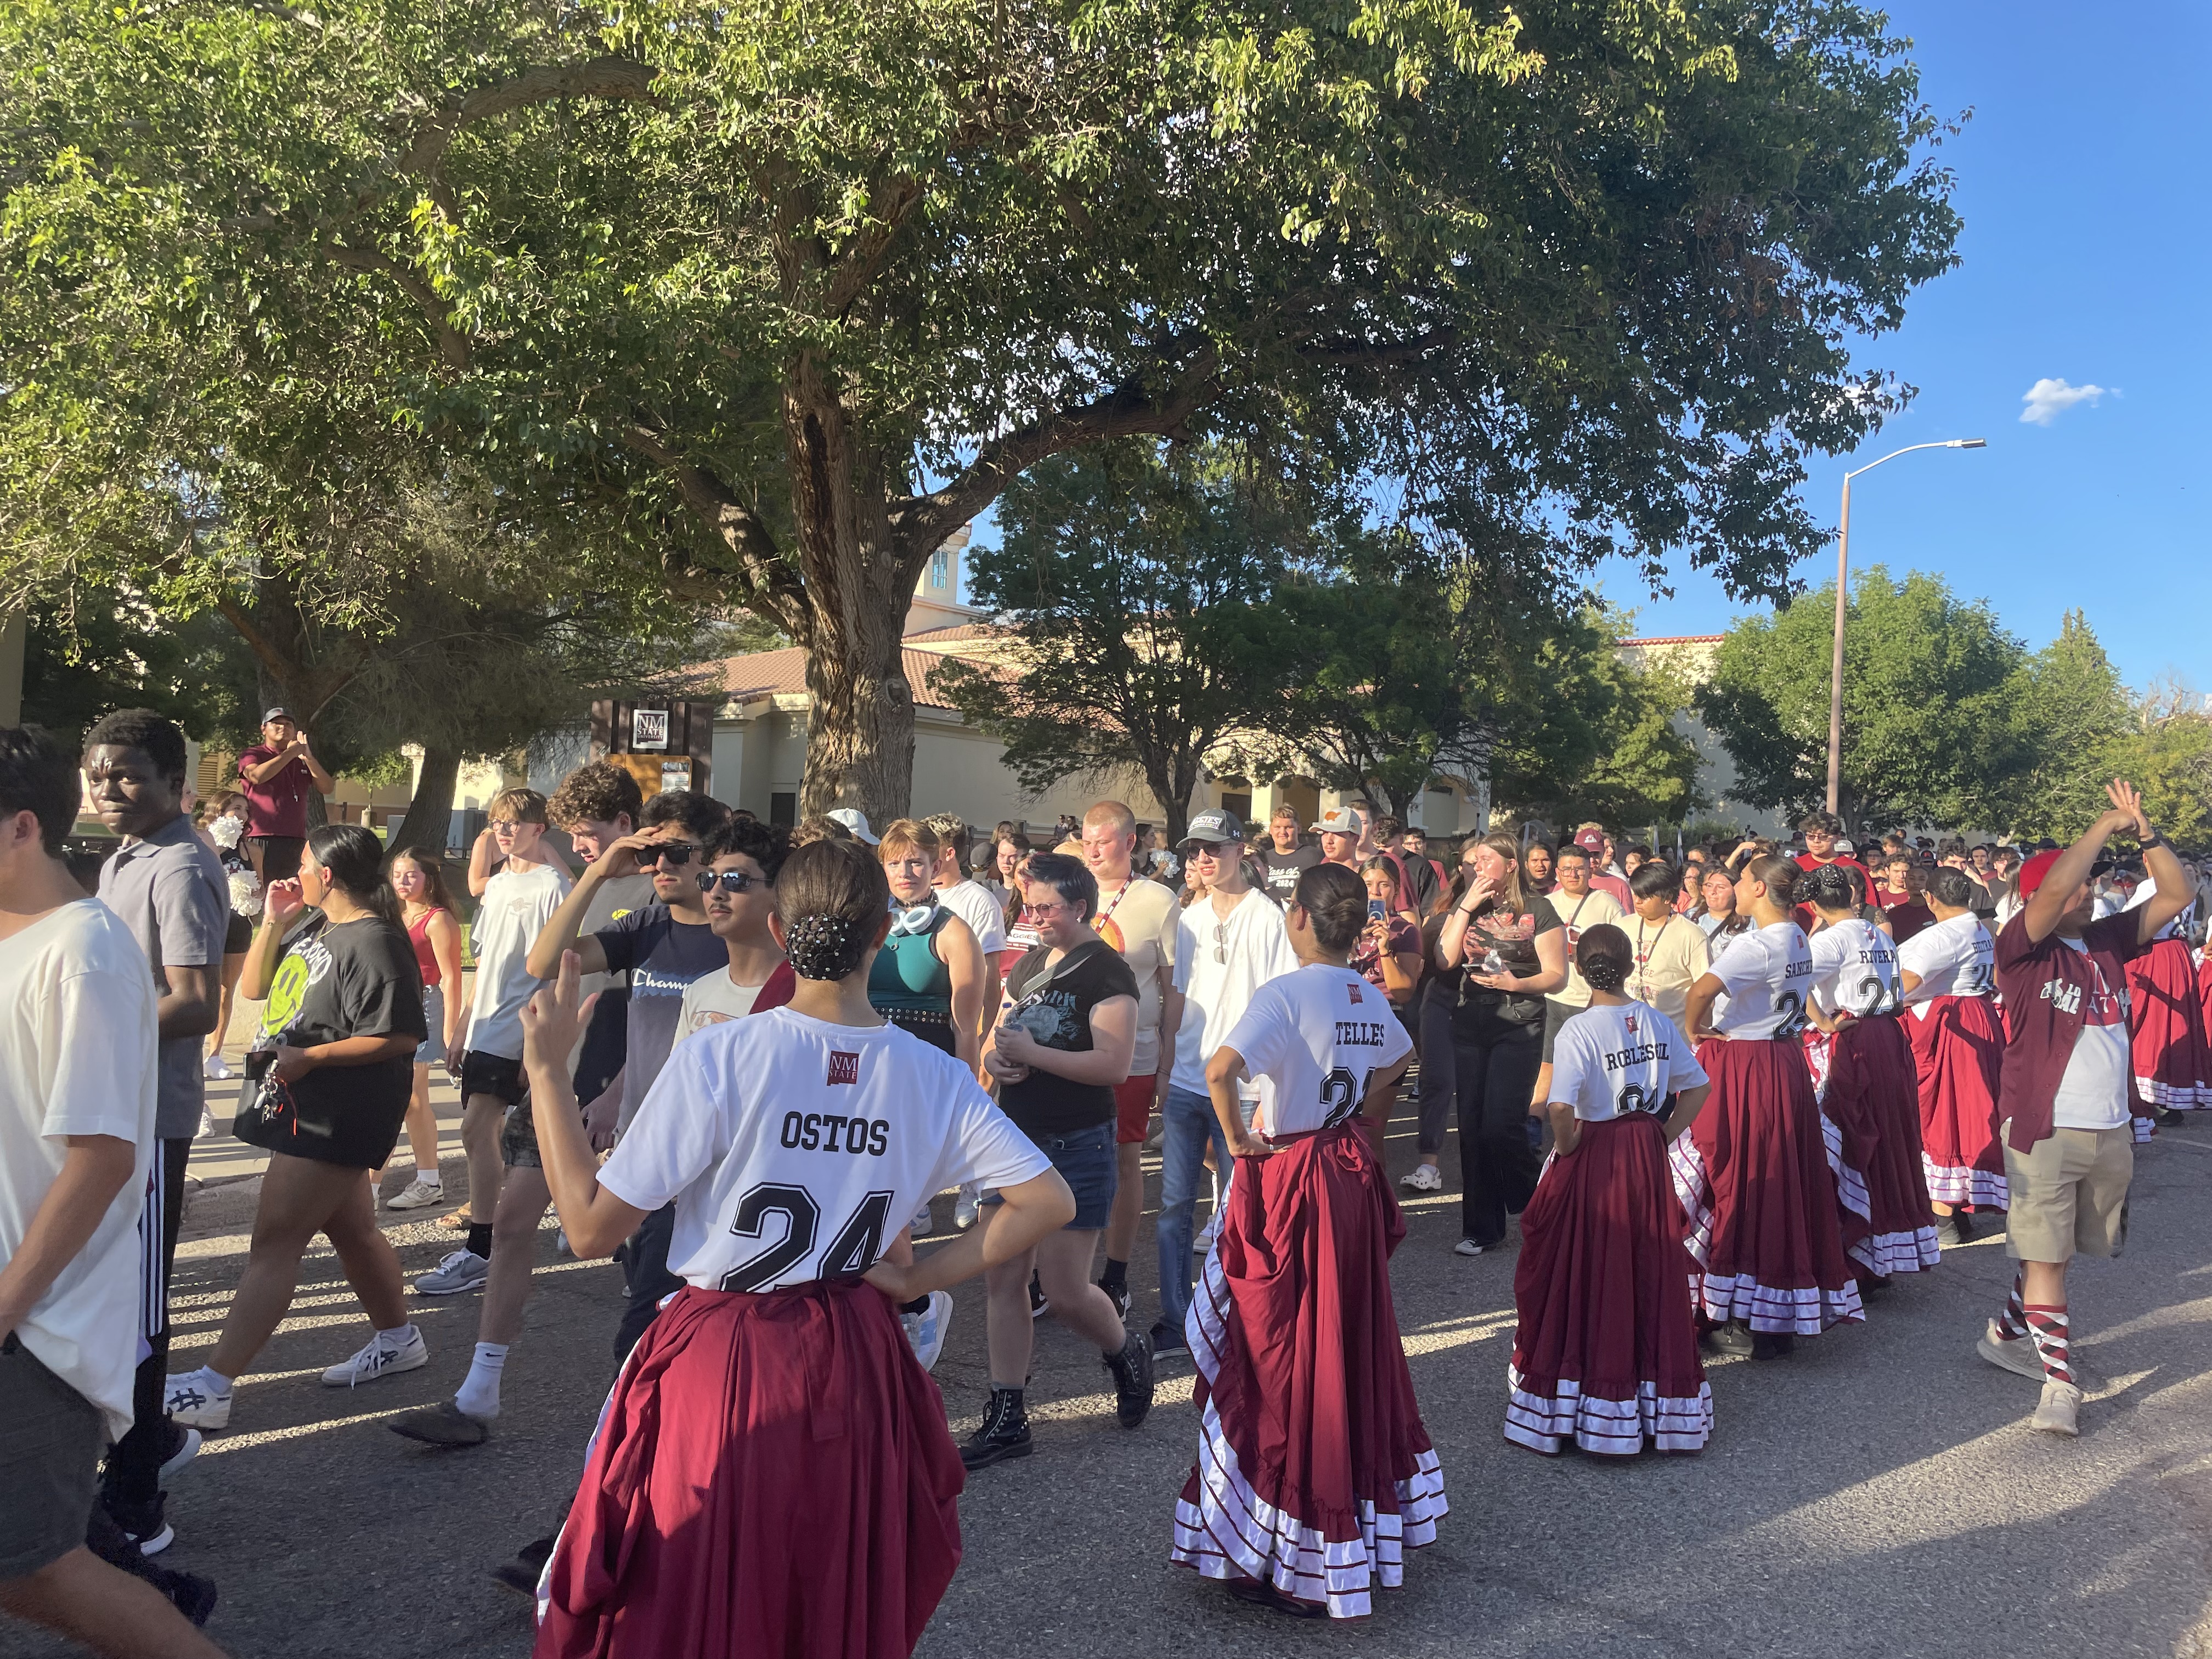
(1046, 912)
(730, 881)
(506, 826)
(672, 854)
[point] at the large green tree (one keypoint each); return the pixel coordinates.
(1138, 592)
(820, 281)
(1932, 708)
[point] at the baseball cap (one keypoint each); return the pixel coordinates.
(279, 713)
(1591, 840)
(1337, 821)
(1844, 845)
(2032, 872)
(1216, 825)
(857, 821)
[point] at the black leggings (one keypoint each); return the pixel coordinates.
(1492, 1083)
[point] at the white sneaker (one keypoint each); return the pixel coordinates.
(216, 1069)
(417, 1195)
(1423, 1178)
(379, 1359)
(193, 1400)
(2059, 1410)
(1469, 1247)
(925, 1331)
(967, 1211)
(461, 1270)
(922, 1222)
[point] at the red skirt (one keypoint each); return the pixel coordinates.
(1957, 1049)
(2166, 1028)
(772, 1474)
(1313, 1472)
(1872, 1102)
(1606, 1350)
(1753, 1176)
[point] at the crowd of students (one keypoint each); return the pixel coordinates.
(1728, 1097)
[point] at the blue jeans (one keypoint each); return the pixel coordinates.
(1188, 1124)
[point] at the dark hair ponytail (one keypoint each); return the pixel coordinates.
(1778, 875)
(1830, 888)
(1335, 901)
(353, 859)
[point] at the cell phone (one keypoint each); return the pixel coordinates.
(1377, 910)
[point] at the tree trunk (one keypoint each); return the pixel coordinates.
(430, 813)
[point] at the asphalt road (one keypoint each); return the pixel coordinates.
(1879, 1493)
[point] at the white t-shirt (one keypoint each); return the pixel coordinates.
(1953, 958)
(795, 1150)
(712, 998)
(985, 917)
(76, 1058)
(517, 905)
(1257, 946)
(2098, 1083)
(1576, 915)
(1315, 1036)
(1609, 1062)
(1766, 974)
(1854, 969)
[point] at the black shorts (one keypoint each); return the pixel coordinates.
(517, 1136)
(238, 935)
(491, 1074)
(1556, 1014)
(279, 855)
(50, 1438)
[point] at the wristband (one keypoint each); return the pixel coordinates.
(2152, 840)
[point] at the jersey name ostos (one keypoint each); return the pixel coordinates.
(830, 1131)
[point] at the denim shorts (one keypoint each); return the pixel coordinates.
(432, 1051)
(1086, 1161)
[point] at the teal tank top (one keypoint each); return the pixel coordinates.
(906, 977)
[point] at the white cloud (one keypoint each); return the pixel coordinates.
(2047, 399)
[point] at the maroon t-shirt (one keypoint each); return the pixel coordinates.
(278, 807)
(2046, 985)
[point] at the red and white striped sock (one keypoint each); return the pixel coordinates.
(2049, 1328)
(2012, 1324)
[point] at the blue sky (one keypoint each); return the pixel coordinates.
(2081, 181)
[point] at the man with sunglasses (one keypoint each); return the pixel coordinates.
(1227, 946)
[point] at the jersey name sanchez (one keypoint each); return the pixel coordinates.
(795, 1150)
(1767, 976)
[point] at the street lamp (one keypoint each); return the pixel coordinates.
(1843, 569)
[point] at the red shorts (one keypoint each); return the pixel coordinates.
(1133, 1109)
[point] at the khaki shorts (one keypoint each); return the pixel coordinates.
(2069, 1194)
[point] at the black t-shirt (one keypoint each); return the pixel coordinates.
(1486, 1016)
(1054, 1005)
(1282, 870)
(662, 955)
(338, 980)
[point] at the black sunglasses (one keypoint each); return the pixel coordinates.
(730, 881)
(674, 854)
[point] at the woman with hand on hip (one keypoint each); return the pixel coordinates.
(426, 911)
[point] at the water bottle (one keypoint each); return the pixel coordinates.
(1491, 962)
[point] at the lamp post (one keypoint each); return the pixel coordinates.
(1842, 570)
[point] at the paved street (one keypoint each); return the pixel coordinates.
(1877, 1494)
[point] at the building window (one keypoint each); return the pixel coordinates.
(1240, 804)
(940, 568)
(783, 808)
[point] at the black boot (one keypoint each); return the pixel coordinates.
(1133, 1379)
(1005, 1433)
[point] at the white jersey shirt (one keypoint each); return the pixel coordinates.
(1317, 1035)
(1953, 958)
(1855, 969)
(516, 906)
(985, 917)
(1612, 1062)
(1767, 975)
(795, 1150)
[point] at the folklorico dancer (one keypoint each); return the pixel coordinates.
(1314, 1473)
(1948, 970)
(1752, 1173)
(1605, 1353)
(772, 1472)
(1864, 1077)
(2166, 1016)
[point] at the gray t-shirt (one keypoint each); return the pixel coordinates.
(172, 894)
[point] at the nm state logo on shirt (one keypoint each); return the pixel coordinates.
(1629, 1020)
(1352, 993)
(844, 1068)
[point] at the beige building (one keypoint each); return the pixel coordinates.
(760, 739)
(1690, 657)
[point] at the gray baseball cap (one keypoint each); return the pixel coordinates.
(1215, 824)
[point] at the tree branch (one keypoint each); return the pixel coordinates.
(602, 77)
(453, 344)
(1348, 353)
(776, 591)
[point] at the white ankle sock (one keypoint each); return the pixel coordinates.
(479, 1394)
(222, 1384)
(399, 1336)
(428, 1177)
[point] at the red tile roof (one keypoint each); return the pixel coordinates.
(783, 673)
(1676, 639)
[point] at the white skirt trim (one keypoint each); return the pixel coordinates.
(1851, 1185)
(1898, 1253)
(1615, 1427)
(1948, 1185)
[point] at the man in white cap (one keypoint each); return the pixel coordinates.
(855, 822)
(275, 776)
(1339, 829)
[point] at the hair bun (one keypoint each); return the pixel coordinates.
(822, 947)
